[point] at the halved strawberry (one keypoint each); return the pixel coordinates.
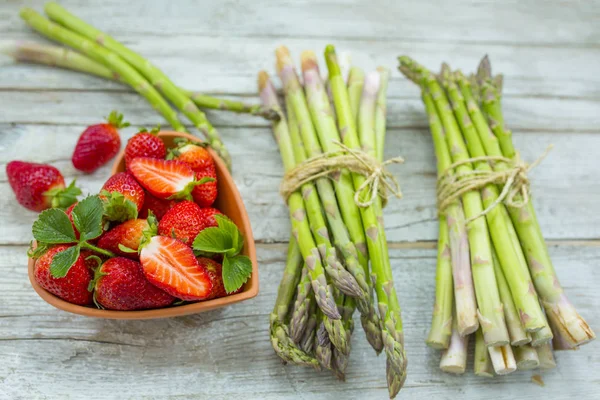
(172, 266)
(164, 178)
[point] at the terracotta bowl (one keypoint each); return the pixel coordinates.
(229, 202)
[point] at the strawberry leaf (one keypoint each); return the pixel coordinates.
(236, 271)
(117, 207)
(87, 217)
(231, 228)
(53, 227)
(63, 260)
(214, 240)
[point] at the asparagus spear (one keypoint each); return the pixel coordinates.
(526, 357)
(389, 309)
(483, 363)
(300, 227)
(464, 293)
(69, 59)
(454, 358)
(442, 321)
(352, 281)
(106, 58)
(490, 312)
(156, 77)
(323, 347)
(280, 339)
(356, 80)
(340, 360)
(518, 335)
(301, 307)
(559, 310)
(381, 111)
(545, 355)
(503, 359)
(509, 254)
(307, 343)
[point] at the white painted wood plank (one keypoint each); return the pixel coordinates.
(230, 64)
(47, 353)
(567, 196)
(422, 22)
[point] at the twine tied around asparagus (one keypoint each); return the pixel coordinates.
(379, 181)
(515, 183)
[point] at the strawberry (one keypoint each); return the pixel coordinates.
(207, 215)
(40, 186)
(120, 284)
(182, 222)
(74, 286)
(172, 266)
(98, 144)
(144, 144)
(128, 234)
(159, 207)
(123, 197)
(215, 274)
(201, 162)
(164, 178)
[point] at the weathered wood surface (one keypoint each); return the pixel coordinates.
(549, 55)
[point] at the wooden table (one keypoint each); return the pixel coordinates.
(549, 56)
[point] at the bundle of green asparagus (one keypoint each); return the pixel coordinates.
(494, 276)
(101, 55)
(333, 238)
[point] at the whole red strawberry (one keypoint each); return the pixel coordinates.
(98, 144)
(122, 285)
(182, 222)
(159, 207)
(40, 186)
(215, 273)
(201, 162)
(74, 286)
(207, 215)
(144, 144)
(128, 234)
(123, 197)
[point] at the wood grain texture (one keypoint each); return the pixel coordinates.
(549, 56)
(226, 353)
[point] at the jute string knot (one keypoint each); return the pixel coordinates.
(379, 181)
(515, 183)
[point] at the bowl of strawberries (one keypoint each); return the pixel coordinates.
(167, 235)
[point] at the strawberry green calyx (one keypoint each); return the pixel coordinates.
(115, 118)
(97, 273)
(181, 144)
(61, 197)
(117, 207)
(153, 131)
(186, 193)
(147, 234)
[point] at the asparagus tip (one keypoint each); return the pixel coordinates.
(308, 60)
(282, 54)
(263, 80)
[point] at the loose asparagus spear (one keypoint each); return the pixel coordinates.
(454, 358)
(559, 310)
(156, 77)
(301, 307)
(389, 309)
(356, 80)
(381, 111)
(518, 335)
(280, 339)
(503, 359)
(464, 293)
(300, 227)
(351, 281)
(509, 254)
(483, 363)
(106, 58)
(526, 357)
(490, 312)
(442, 321)
(69, 59)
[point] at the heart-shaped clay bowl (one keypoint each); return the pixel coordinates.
(229, 202)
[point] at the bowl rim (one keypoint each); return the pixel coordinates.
(250, 291)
